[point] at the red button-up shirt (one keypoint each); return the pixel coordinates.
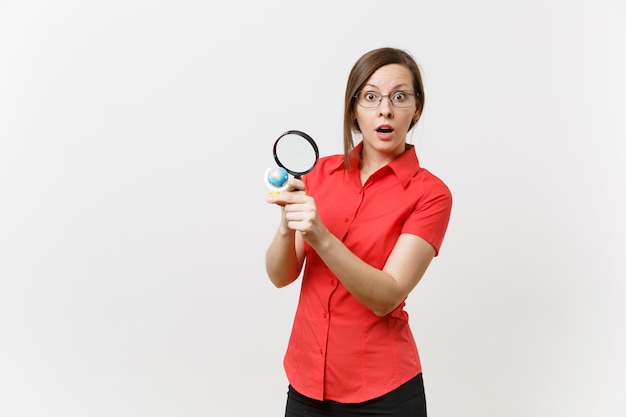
(339, 349)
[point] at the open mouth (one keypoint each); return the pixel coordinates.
(384, 129)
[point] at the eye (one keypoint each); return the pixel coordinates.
(400, 97)
(370, 96)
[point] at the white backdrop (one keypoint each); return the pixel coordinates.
(133, 140)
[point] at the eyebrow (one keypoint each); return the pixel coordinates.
(394, 88)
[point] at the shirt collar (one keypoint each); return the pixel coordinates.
(404, 166)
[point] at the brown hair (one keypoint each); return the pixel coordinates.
(360, 73)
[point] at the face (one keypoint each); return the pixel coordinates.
(384, 128)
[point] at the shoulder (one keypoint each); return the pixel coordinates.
(325, 166)
(430, 187)
(330, 161)
(427, 177)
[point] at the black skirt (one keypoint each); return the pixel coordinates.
(408, 400)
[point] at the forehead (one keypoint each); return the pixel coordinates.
(391, 76)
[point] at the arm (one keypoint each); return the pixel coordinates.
(285, 255)
(379, 290)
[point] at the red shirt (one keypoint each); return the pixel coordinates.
(339, 349)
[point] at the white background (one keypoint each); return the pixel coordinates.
(133, 140)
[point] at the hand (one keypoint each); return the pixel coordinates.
(299, 209)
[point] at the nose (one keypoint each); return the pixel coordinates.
(385, 108)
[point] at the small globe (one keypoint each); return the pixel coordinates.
(277, 177)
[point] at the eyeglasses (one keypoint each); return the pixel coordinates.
(372, 99)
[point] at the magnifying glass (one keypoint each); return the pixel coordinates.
(296, 153)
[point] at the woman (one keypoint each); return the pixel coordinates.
(367, 223)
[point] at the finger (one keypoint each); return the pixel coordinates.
(294, 214)
(280, 198)
(295, 184)
(286, 197)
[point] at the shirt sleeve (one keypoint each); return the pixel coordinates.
(431, 215)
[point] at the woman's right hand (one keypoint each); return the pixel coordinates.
(299, 209)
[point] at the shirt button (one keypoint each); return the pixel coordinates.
(346, 220)
(332, 282)
(321, 352)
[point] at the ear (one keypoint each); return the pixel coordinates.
(416, 116)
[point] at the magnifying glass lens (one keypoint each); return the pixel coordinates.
(296, 152)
